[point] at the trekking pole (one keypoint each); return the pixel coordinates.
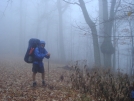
(48, 70)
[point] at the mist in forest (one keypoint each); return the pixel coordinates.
(67, 32)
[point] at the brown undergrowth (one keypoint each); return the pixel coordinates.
(62, 85)
(101, 84)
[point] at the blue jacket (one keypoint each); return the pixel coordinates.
(39, 55)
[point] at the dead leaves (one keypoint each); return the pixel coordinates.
(16, 81)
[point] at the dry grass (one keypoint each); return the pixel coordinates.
(101, 84)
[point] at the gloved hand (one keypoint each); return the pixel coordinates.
(48, 54)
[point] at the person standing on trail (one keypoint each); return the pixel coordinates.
(38, 66)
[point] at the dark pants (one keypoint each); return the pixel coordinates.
(36, 68)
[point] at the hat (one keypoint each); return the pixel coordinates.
(42, 42)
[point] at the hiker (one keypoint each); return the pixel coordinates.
(38, 66)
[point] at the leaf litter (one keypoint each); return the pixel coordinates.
(16, 83)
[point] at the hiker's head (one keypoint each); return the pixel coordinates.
(42, 44)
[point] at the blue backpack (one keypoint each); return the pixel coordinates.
(29, 56)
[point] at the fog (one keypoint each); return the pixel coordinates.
(21, 20)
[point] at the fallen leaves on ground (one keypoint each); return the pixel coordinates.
(16, 83)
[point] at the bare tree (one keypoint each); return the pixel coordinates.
(101, 28)
(129, 11)
(107, 48)
(92, 26)
(22, 29)
(61, 10)
(128, 18)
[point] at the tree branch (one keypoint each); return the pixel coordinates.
(6, 8)
(64, 9)
(128, 3)
(116, 9)
(74, 3)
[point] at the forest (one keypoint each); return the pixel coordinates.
(91, 47)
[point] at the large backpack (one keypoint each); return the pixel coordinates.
(29, 56)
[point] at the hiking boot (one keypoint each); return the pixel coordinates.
(34, 84)
(43, 83)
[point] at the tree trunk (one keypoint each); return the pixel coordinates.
(20, 48)
(61, 42)
(101, 29)
(22, 30)
(107, 58)
(107, 48)
(114, 42)
(132, 33)
(91, 24)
